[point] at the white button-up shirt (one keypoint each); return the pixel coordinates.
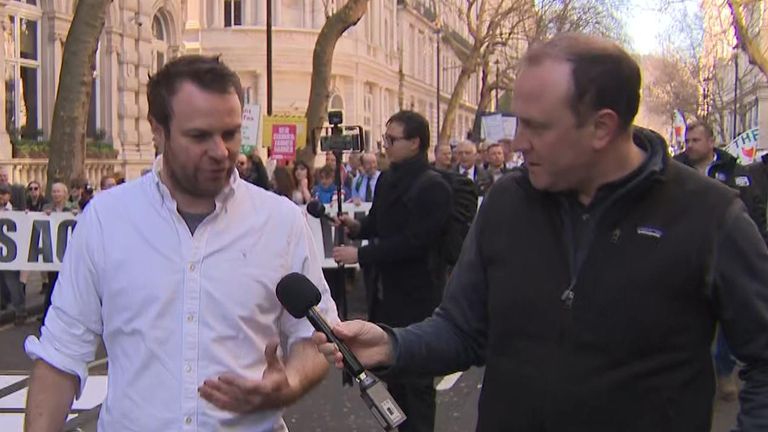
(175, 309)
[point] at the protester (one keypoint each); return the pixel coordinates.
(35, 197)
(76, 187)
(257, 174)
(591, 283)
(59, 203)
(758, 172)
(325, 190)
(86, 196)
(283, 184)
(409, 213)
(467, 166)
(496, 168)
(443, 157)
(243, 166)
(12, 290)
(176, 271)
(107, 182)
(302, 177)
(364, 185)
(700, 153)
(18, 195)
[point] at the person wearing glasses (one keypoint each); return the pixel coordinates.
(35, 197)
(409, 212)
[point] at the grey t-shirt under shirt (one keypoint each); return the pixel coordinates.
(193, 220)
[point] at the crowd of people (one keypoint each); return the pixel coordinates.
(483, 163)
(72, 197)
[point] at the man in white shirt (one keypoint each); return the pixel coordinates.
(180, 284)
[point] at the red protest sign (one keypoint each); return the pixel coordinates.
(284, 141)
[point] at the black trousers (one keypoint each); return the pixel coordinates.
(52, 278)
(416, 397)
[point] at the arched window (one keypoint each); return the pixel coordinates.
(337, 103)
(159, 41)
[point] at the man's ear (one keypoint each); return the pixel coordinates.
(158, 134)
(605, 124)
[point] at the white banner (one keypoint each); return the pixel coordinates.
(744, 146)
(34, 241)
(37, 242)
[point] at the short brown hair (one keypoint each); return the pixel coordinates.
(604, 76)
(704, 125)
(206, 72)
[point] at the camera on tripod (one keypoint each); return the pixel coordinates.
(338, 137)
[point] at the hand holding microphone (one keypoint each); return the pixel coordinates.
(299, 296)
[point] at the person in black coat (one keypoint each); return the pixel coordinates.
(409, 213)
(758, 172)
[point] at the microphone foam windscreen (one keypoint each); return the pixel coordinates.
(297, 294)
(315, 208)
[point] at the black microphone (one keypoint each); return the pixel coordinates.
(299, 296)
(316, 209)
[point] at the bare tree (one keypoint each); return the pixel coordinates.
(485, 20)
(70, 111)
(599, 17)
(322, 60)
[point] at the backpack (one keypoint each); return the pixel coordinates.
(463, 211)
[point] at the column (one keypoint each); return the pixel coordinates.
(5, 139)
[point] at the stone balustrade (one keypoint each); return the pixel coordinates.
(22, 171)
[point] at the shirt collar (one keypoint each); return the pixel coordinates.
(221, 200)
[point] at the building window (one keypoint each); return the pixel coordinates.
(337, 103)
(22, 78)
(368, 107)
(159, 42)
(387, 37)
(233, 13)
(93, 126)
(29, 2)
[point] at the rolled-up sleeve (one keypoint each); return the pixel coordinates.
(740, 296)
(306, 260)
(70, 334)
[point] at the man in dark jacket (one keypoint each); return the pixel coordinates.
(758, 173)
(410, 211)
(702, 155)
(591, 282)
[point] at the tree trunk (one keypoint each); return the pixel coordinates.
(453, 104)
(322, 61)
(485, 100)
(70, 112)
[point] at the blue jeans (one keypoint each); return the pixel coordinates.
(724, 361)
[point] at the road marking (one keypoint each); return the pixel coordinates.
(13, 396)
(448, 381)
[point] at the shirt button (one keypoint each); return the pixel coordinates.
(190, 317)
(188, 368)
(188, 420)
(585, 216)
(192, 267)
